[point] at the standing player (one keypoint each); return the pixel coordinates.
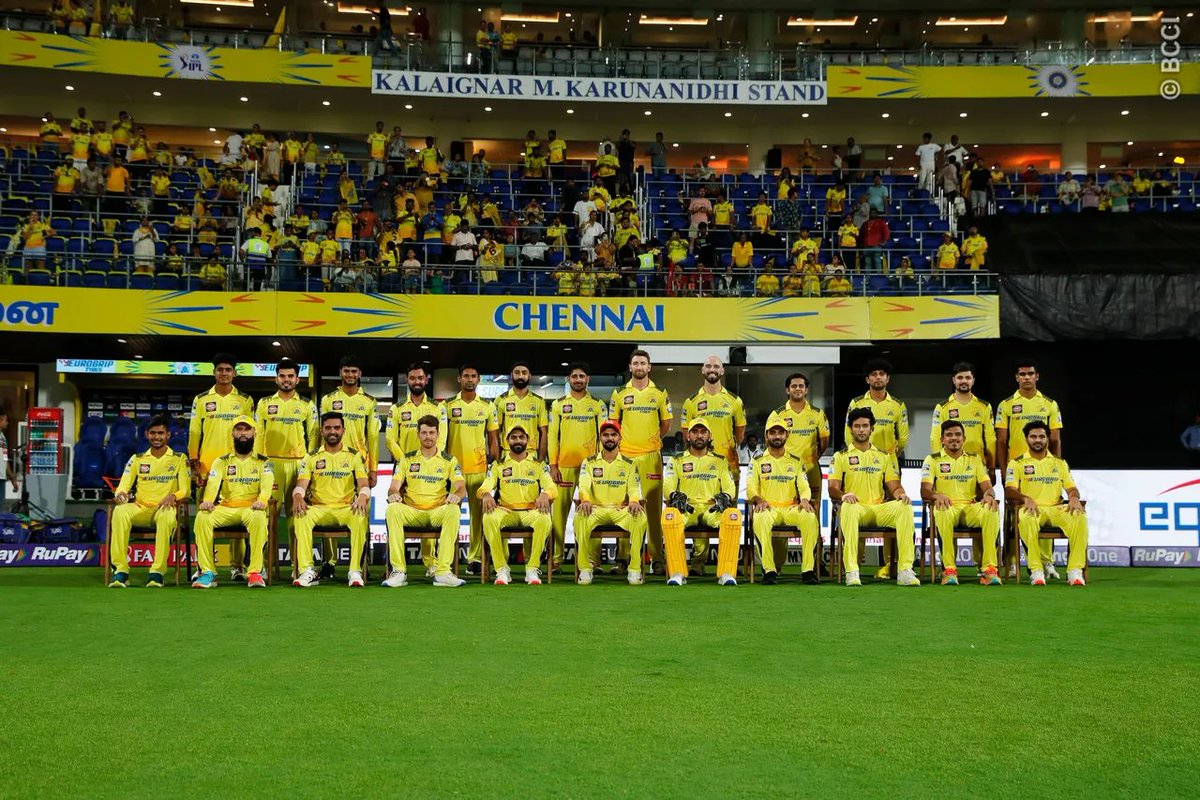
(700, 491)
(644, 413)
(210, 435)
(334, 478)
(951, 478)
(288, 430)
(160, 478)
(520, 406)
(890, 435)
(360, 432)
(526, 493)
(1012, 415)
(724, 412)
(402, 436)
(974, 414)
(858, 478)
(433, 491)
(609, 494)
(575, 424)
(808, 438)
(778, 490)
(471, 439)
(1035, 482)
(236, 493)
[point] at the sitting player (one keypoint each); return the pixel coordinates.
(609, 494)
(778, 491)
(526, 492)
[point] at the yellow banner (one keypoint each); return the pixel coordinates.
(495, 318)
(184, 61)
(1048, 80)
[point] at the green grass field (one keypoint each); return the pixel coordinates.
(607, 690)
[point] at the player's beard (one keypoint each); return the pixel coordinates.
(517, 449)
(520, 383)
(416, 391)
(775, 443)
(712, 377)
(610, 446)
(243, 447)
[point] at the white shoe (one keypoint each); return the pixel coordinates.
(237, 574)
(533, 577)
(449, 579)
(585, 577)
(676, 580)
(396, 580)
(1012, 573)
(310, 577)
(1050, 571)
(503, 577)
(1037, 578)
(635, 578)
(354, 579)
(726, 580)
(907, 577)
(852, 578)
(1075, 577)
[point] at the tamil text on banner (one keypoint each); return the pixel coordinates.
(601, 90)
(183, 61)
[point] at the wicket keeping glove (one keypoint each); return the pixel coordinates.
(679, 501)
(721, 502)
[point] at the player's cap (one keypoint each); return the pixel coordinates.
(775, 422)
(242, 419)
(698, 422)
(610, 423)
(518, 427)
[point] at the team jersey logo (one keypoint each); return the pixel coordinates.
(1030, 469)
(405, 416)
(320, 464)
(1017, 408)
(144, 469)
(952, 413)
(788, 421)
(567, 409)
(231, 470)
(944, 467)
(506, 473)
(597, 472)
(272, 409)
(456, 412)
(510, 406)
(210, 406)
(702, 405)
(337, 405)
(628, 400)
(414, 467)
(766, 468)
(688, 467)
(854, 461)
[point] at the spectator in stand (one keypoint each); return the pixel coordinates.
(728, 283)
(723, 221)
(808, 156)
(956, 151)
(947, 253)
(854, 155)
(974, 248)
(411, 270)
(479, 170)
(145, 242)
(368, 226)
(839, 285)
(91, 185)
(784, 184)
(626, 151)
(1089, 195)
(1031, 184)
(66, 180)
(792, 284)
(343, 227)
(927, 154)
(1069, 190)
(117, 183)
(1162, 188)
(847, 237)
(556, 150)
(699, 209)
(767, 284)
(743, 252)
(607, 166)
(33, 235)
(465, 247)
(212, 274)
(533, 253)
(50, 131)
(1140, 184)
(835, 201)
(508, 42)
(272, 157)
(838, 164)
(862, 212)
(948, 180)
(601, 197)
(875, 234)
(979, 185)
(788, 212)
(590, 231)
(657, 151)
(228, 158)
(877, 195)
(1117, 191)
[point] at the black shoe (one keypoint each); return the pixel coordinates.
(771, 578)
(327, 573)
(474, 568)
(809, 578)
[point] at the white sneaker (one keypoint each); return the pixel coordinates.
(1050, 571)
(1075, 577)
(310, 577)
(1037, 578)
(852, 578)
(396, 580)
(354, 579)
(726, 580)
(237, 574)
(676, 580)
(906, 577)
(635, 578)
(533, 577)
(1012, 572)
(503, 577)
(449, 579)
(585, 577)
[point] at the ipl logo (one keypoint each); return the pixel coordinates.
(189, 61)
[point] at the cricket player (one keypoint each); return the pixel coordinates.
(951, 479)
(520, 406)
(159, 479)
(210, 435)
(858, 477)
(1035, 482)
(238, 488)
(575, 423)
(526, 492)
(974, 414)
(1012, 415)
(890, 434)
(609, 494)
(361, 432)
(427, 491)
(724, 411)
(288, 430)
(402, 436)
(644, 414)
(778, 491)
(700, 491)
(472, 439)
(808, 438)
(334, 478)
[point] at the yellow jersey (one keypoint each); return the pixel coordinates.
(699, 477)
(332, 477)
(722, 412)
(64, 179)
(609, 484)
(343, 225)
(431, 159)
(210, 432)
(467, 426)
(401, 435)
(309, 251)
(767, 285)
(520, 482)
(640, 413)
(805, 428)
(947, 256)
(1015, 412)
(286, 428)
(427, 479)
(974, 250)
(848, 236)
(160, 185)
(529, 412)
(606, 167)
(155, 478)
(558, 151)
(957, 478)
(574, 433)
(761, 214)
(802, 247)
(362, 428)
(780, 481)
(102, 141)
(977, 420)
(240, 481)
(1042, 479)
(122, 132)
(723, 214)
(377, 145)
(81, 143)
(863, 473)
(891, 422)
(835, 201)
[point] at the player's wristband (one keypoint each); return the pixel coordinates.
(367, 492)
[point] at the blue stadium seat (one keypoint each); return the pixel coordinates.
(93, 429)
(90, 464)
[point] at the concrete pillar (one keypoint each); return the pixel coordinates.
(760, 43)
(756, 152)
(1073, 22)
(447, 25)
(1074, 151)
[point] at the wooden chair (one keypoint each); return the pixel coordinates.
(1052, 532)
(602, 532)
(835, 540)
(147, 533)
(332, 533)
(230, 533)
